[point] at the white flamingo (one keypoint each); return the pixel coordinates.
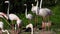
(28, 16)
(30, 26)
(34, 9)
(2, 15)
(44, 12)
(8, 7)
(13, 16)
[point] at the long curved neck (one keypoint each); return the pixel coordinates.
(5, 31)
(37, 3)
(26, 12)
(32, 30)
(40, 3)
(8, 10)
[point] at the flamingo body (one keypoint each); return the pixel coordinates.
(15, 17)
(2, 15)
(1, 24)
(29, 16)
(44, 12)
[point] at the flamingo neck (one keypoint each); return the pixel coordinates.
(37, 3)
(8, 10)
(26, 12)
(5, 31)
(40, 3)
(31, 30)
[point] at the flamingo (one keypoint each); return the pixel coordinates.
(2, 15)
(8, 7)
(44, 12)
(30, 26)
(34, 9)
(13, 17)
(28, 16)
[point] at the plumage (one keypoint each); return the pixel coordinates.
(2, 15)
(30, 26)
(5, 31)
(44, 12)
(1, 24)
(13, 16)
(34, 9)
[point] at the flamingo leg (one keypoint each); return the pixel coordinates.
(48, 22)
(12, 25)
(36, 20)
(48, 27)
(44, 20)
(0, 31)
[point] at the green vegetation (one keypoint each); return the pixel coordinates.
(55, 8)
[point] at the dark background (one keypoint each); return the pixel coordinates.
(17, 6)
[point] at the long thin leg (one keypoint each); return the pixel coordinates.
(37, 21)
(44, 20)
(48, 18)
(48, 22)
(43, 25)
(28, 21)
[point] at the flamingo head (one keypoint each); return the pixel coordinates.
(6, 1)
(25, 4)
(32, 4)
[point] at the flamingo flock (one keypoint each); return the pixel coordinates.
(44, 12)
